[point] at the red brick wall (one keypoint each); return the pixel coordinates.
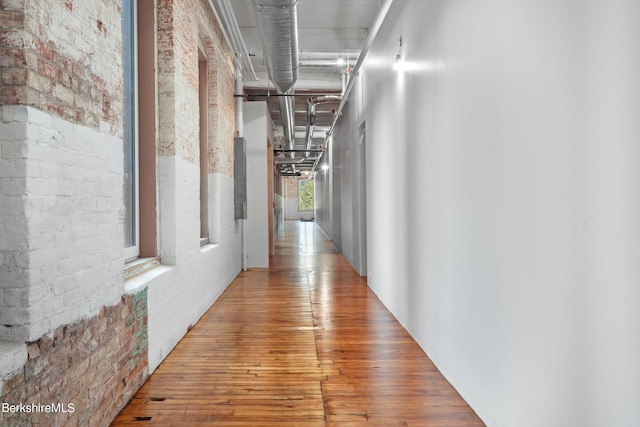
(63, 57)
(95, 364)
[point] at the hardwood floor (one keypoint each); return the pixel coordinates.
(304, 343)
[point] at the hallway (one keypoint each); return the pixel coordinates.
(302, 343)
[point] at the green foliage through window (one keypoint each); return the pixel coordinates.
(305, 196)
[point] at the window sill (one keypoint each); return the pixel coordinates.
(139, 273)
(139, 266)
(207, 247)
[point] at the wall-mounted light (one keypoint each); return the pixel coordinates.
(324, 167)
(397, 65)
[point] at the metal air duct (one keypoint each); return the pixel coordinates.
(311, 116)
(287, 113)
(277, 22)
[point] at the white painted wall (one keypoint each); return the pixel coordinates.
(62, 246)
(323, 192)
(257, 125)
(179, 295)
(348, 171)
(61, 253)
(292, 210)
(504, 199)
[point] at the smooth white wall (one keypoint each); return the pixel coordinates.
(323, 193)
(504, 197)
(292, 210)
(256, 128)
(342, 216)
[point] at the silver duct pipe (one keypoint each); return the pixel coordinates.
(287, 112)
(311, 116)
(311, 125)
(277, 22)
(344, 77)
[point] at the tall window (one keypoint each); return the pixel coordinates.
(305, 194)
(139, 129)
(204, 150)
(130, 131)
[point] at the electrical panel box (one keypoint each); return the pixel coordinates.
(240, 178)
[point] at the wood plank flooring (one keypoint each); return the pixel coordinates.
(304, 343)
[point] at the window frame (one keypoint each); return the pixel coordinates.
(300, 187)
(131, 113)
(203, 139)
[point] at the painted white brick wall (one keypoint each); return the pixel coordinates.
(13, 239)
(61, 229)
(187, 210)
(13, 356)
(179, 297)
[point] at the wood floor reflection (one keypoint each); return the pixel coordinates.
(304, 343)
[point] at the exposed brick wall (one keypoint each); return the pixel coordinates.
(96, 364)
(182, 26)
(291, 187)
(63, 57)
(61, 162)
(222, 119)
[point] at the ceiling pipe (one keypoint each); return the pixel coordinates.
(223, 12)
(324, 63)
(311, 116)
(328, 55)
(287, 112)
(373, 32)
(277, 22)
(344, 77)
(311, 125)
(288, 161)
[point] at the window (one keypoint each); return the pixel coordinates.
(305, 194)
(204, 149)
(130, 130)
(139, 129)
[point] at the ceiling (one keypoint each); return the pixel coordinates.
(331, 34)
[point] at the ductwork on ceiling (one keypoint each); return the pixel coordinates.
(311, 116)
(277, 22)
(287, 113)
